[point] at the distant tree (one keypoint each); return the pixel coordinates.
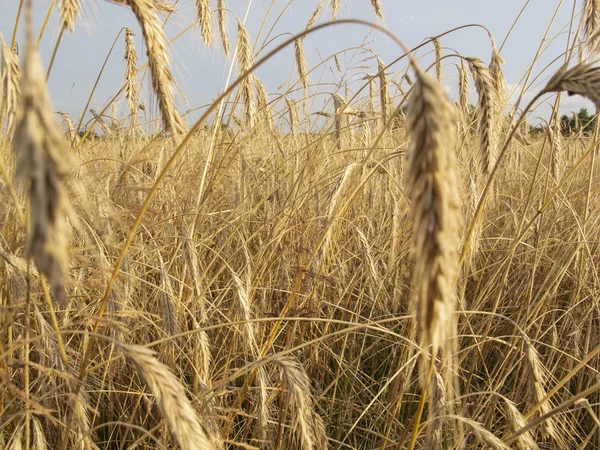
(581, 122)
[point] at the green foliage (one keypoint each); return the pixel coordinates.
(582, 122)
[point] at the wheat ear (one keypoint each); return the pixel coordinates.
(591, 18)
(377, 7)
(205, 20)
(244, 54)
(159, 58)
(434, 207)
(383, 90)
(582, 79)
(42, 165)
(11, 80)
(68, 13)
(307, 425)
(335, 8)
(486, 107)
(301, 63)
(437, 45)
(131, 84)
(222, 18)
(170, 397)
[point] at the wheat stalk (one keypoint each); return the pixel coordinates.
(170, 397)
(159, 58)
(434, 208)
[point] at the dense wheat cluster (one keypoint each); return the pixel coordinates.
(401, 269)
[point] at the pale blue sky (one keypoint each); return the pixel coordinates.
(201, 72)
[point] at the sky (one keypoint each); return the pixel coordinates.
(201, 72)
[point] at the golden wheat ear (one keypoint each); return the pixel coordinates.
(582, 79)
(170, 397)
(42, 156)
(435, 209)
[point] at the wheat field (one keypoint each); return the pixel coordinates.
(403, 268)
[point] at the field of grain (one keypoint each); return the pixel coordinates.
(402, 269)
